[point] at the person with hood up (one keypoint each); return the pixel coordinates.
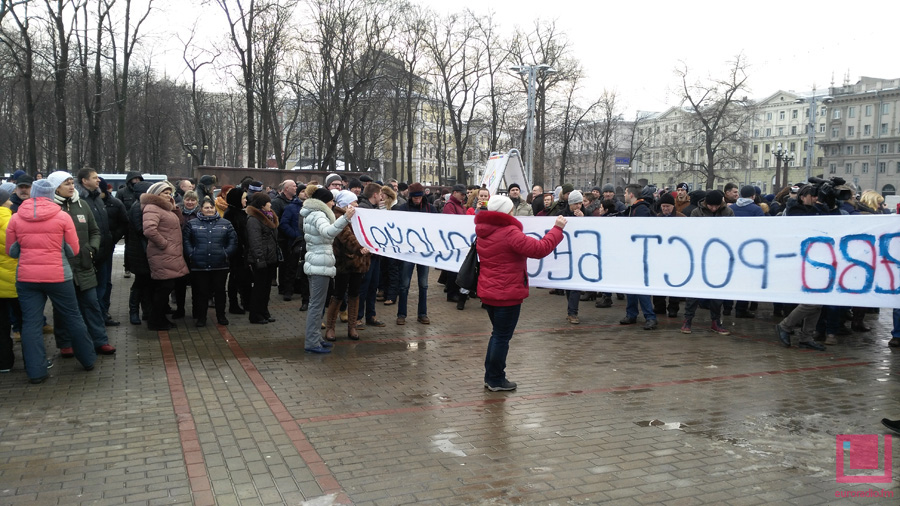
(745, 204)
(165, 249)
(262, 254)
(83, 273)
(239, 278)
(41, 236)
(503, 250)
(126, 192)
(320, 227)
(206, 188)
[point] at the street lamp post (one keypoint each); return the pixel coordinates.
(531, 72)
(193, 153)
(781, 156)
(811, 127)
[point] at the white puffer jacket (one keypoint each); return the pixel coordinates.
(320, 229)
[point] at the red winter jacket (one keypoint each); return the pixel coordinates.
(453, 206)
(503, 251)
(42, 236)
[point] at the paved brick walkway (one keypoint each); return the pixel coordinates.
(603, 414)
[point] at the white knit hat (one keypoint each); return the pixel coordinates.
(500, 203)
(57, 178)
(344, 198)
(575, 197)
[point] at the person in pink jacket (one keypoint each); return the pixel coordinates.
(43, 237)
(503, 251)
(165, 249)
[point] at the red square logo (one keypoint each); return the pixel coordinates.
(860, 452)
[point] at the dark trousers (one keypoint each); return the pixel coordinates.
(347, 284)
(104, 284)
(392, 283)
(368, 289)
(91, 313)
(503, 320)
(7, 358)
(181, 285)
(287, 271)
(206, 284)
(259, 295)
(139, 298)
(715, 308)
(159, 301)
(239, 283)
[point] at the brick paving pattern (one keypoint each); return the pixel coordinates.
(603, 413)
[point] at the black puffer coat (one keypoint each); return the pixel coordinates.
(238, 219)
(262, 238)
(209, 242)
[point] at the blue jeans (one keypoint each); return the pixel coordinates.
(895, 332)
(33, 297)
(91, 313)
(405, 278)
(504, 320)
(631, 306)
(573, 297)
(368, 290)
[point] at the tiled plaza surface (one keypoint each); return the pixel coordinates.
(603, 413)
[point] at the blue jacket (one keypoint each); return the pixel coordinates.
(208, 242)
(746, 207)
(290, 221)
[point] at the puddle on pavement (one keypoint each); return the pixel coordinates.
(443, 443)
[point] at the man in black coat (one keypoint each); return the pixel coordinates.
(87, 184)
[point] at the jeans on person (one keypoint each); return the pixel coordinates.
(503, 321)
(714, 305)
(804, 316)
(94, 320)
(406, 272)
(318, 292)
(33, 297)
(572, 307)
(895, 332)
(368, 290)
(646, 303)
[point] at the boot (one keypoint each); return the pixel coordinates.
(605, 301)
(461, 303)
(352, 308)
(857, 323)
(331, 315)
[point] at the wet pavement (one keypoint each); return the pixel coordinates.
(603, 414)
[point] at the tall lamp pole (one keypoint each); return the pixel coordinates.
(782, 156)
(531, 72)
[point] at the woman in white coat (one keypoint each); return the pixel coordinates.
(320, 228)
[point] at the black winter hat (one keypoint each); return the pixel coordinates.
(715, 198)
(667, 198)
(323, 195)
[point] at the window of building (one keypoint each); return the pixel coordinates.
(822, 128)
(780, 114)
(867, 130)
(848, 168)
(832, 169)
(865, 149)
(806, 114)
(805, 145)
(898, 168)
(884, 128)
(753, 164)
(868, 110)
(835, 150)
(885, 108)
(882, 167)
(836, 114)
(794, 130)
(849, 150)
(768, 132)
(793, 146)
(769, 116)
(834, 132)
(794, 114)
(883, 148)
(851, 112)
(755, 132)
(768, 147)
(865, 167)
(755, 149)
(851, 131)
(766, 163)
(780, 131)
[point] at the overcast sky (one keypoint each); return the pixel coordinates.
(633, 47)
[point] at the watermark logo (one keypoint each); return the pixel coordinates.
(857, 457)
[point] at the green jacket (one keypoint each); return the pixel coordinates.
(83, 272)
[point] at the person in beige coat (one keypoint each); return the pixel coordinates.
(165, 251)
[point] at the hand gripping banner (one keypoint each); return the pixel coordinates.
(833, 260)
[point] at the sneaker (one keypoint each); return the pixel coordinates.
(318, 349)
(504, 386)
(389, 302)
(401, 320)
(650, 324)
(628, 321)
(783, 335)
(106, 349)
(374, 322)
(423, 320)
(717, 327)
(831, 339)
(686, 327)
(811, 345)
(360, 325)
(66, 352)
(573, 319)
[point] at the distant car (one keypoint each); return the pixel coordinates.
(118, 180)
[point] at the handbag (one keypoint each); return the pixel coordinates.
(467, 278)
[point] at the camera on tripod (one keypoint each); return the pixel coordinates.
(831, 190)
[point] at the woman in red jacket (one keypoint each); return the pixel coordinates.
(503, 251)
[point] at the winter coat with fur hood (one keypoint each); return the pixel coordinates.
(347, 250)
(503, 253)
(162, 228)
(320, 228)
(262, 238)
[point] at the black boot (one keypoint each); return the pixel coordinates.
(461, 302)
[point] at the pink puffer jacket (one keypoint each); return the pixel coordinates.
(162, 228)
(42, 237)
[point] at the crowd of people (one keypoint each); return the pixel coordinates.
(233, 246)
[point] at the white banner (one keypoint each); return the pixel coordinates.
(833, 260)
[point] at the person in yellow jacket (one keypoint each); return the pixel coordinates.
(8, 296)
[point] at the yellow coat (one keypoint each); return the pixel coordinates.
(8, 265)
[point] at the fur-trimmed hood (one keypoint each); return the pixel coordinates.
(161, 201)
(311, 204)
(259, 215)
(497, 219)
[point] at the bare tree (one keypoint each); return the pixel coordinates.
(21, 51)
(636, 140)
(498, 89)
(416, 22)
(572, 118)
(719, 114)
(62, 25)
(90, 54)
(601, 134)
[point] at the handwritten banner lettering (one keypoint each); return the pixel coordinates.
(834, 260)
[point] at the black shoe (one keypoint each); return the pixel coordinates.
(288, 298)
(112, 323)
(672, 314)
(201, 322)
(811, 345)
(627, 321)
(783, 335)
(453, 298)
(270, 319)
(650, 325)
(753, 306)
(603, 303)
(221, 320)
(504, 386)
(894, 425)
(304, 306)
(461, 304)
(744, 314)
(135, 318)
(620, 296)
(89, 367)
(178, 314)
(37, 381)
(236, 310)
(259, 322)
(726, 312)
